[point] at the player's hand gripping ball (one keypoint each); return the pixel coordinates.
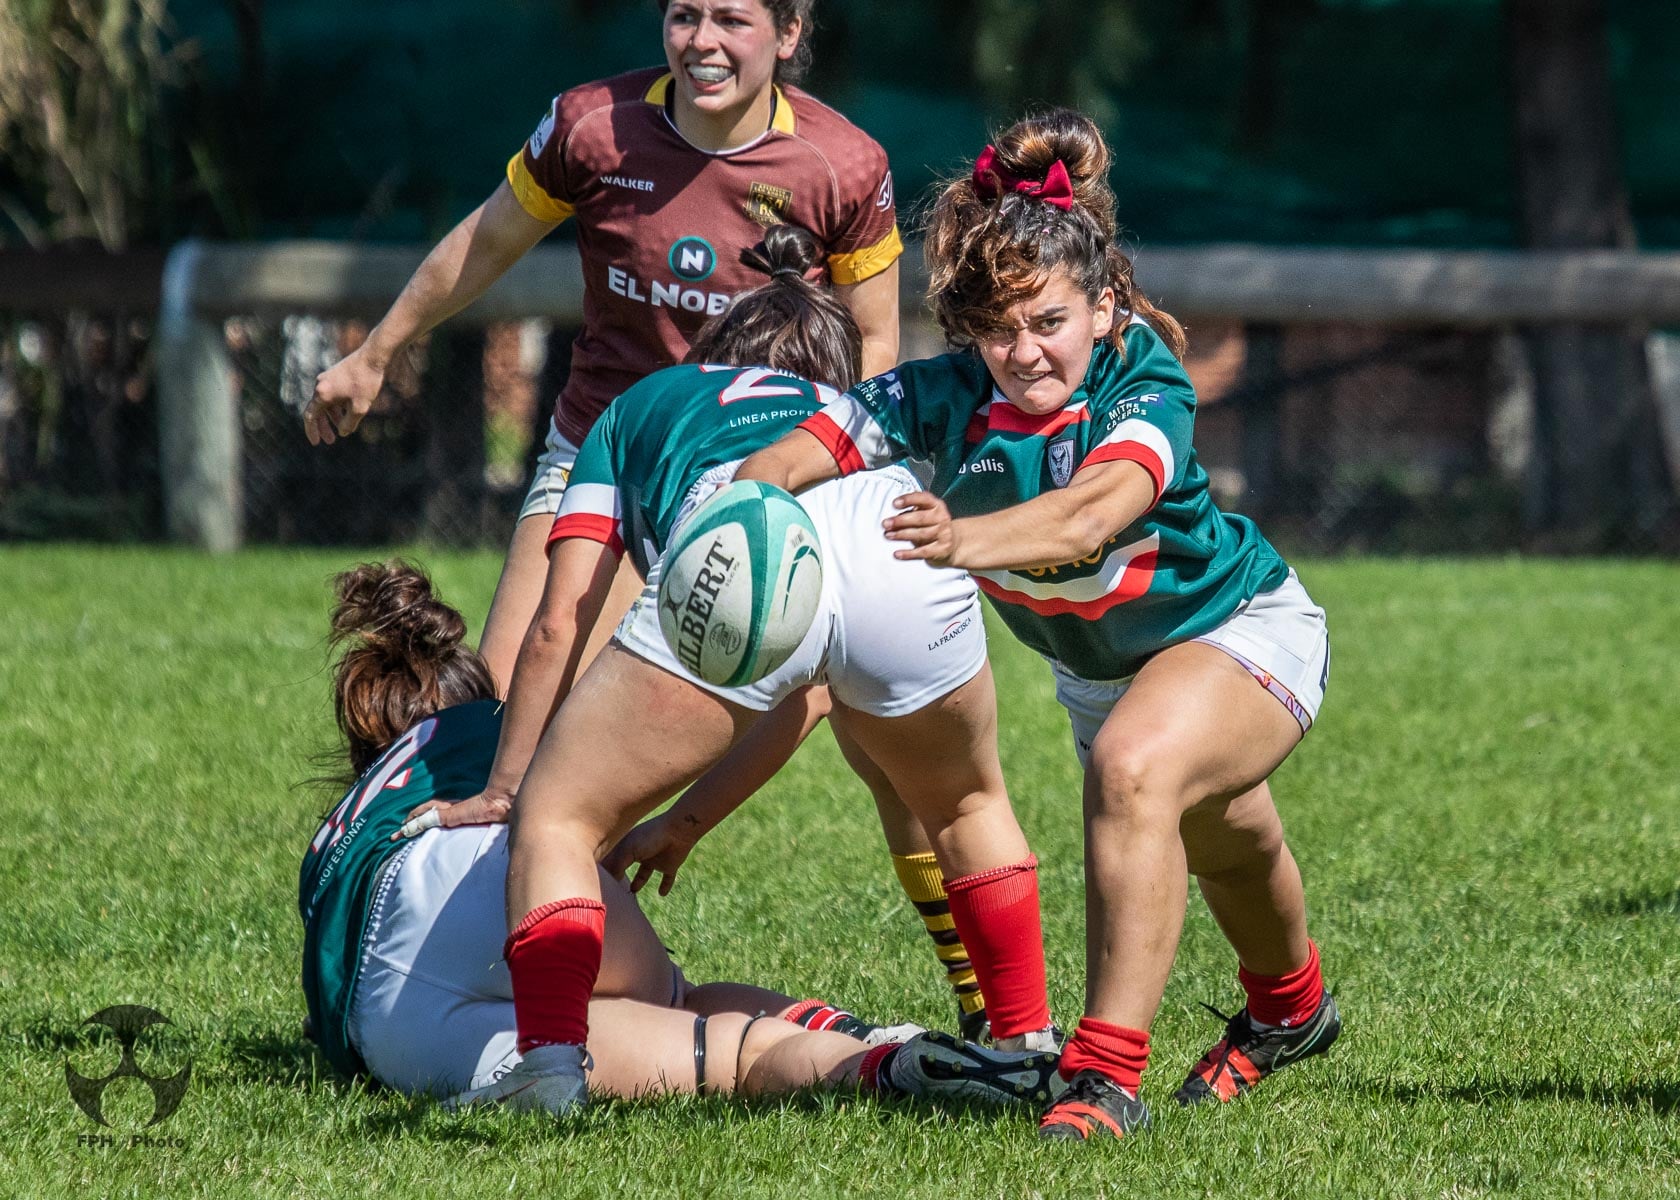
(740, 584)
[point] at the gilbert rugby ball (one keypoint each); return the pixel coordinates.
(740, 583)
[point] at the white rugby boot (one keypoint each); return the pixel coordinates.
(552, 1079)
(1048, 1040)
(882, 1035)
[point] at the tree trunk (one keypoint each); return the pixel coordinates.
(1597, 479)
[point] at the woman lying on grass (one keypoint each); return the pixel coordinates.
(401, 967)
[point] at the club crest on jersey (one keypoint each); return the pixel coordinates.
(768, 204)
(1061, 462)
(692, 259)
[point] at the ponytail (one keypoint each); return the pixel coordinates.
(789, 323)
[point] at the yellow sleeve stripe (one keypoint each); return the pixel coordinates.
(530, 195)
(658, 90)
(858, 265)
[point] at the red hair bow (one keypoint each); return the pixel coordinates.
(991, 180)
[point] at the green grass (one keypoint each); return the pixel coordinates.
(1488, 818)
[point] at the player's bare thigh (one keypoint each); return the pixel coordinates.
(942, 760)
(1193, 728)
(629, 737)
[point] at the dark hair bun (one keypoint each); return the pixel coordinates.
(391, 607)
(787, 252)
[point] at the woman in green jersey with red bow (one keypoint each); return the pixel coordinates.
(1186, 652)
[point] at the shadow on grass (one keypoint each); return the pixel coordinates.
(1661, 1098)
(1651, 902)
(399, 1114)
(278, 1059)
(46, 1034)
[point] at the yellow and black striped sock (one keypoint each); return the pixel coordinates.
(919, 875)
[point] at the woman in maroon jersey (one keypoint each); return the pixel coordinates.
(671, 173)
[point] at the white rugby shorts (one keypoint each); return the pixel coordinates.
(432, 1011)
(548, 481)
(890, 636)
(1279, 636)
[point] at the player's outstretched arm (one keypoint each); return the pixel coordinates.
(661, 844)
(459, 269)
(1060, 526)
(795, 462)
(874, 306)
(580, 574)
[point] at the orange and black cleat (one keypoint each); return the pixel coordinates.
(1094, 1106)
(1246, 1055)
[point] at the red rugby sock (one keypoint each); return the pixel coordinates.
(554, 955)
(870, 1079)
(1284, 999)
(1117, 1051)
(996, 915)
(816, 1014)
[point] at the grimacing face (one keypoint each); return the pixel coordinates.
(723, 53)
(1040, 357)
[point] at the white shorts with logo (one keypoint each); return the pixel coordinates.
(432, 1011)
(548, 481)
(1279, 636)
(890, 636)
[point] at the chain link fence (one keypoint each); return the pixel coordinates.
(1360, 437)
(78, 427)
(444, 456)
(1337, 438)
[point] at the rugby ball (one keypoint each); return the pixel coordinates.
(740, 583)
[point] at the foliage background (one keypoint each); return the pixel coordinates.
(1291, 121)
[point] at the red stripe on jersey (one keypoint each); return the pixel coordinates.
(976, 430)
(1136, 452)
(1134, 581)
(834, 440)
(1006, 418)
(591, 526)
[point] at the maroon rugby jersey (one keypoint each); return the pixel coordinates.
(661, 224)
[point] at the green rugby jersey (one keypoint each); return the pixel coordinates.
(637, 465)
(445, 757)
(1174, 574)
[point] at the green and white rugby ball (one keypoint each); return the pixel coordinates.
(740, 584)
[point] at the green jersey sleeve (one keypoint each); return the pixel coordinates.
(1144, 411)
(592, 506)
(918, 410)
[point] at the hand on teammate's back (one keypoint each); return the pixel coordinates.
(482, 809)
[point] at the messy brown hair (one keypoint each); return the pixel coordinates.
(986, 255)
(403, 659)
(789, 324)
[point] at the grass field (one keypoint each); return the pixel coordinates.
(1488, 818)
